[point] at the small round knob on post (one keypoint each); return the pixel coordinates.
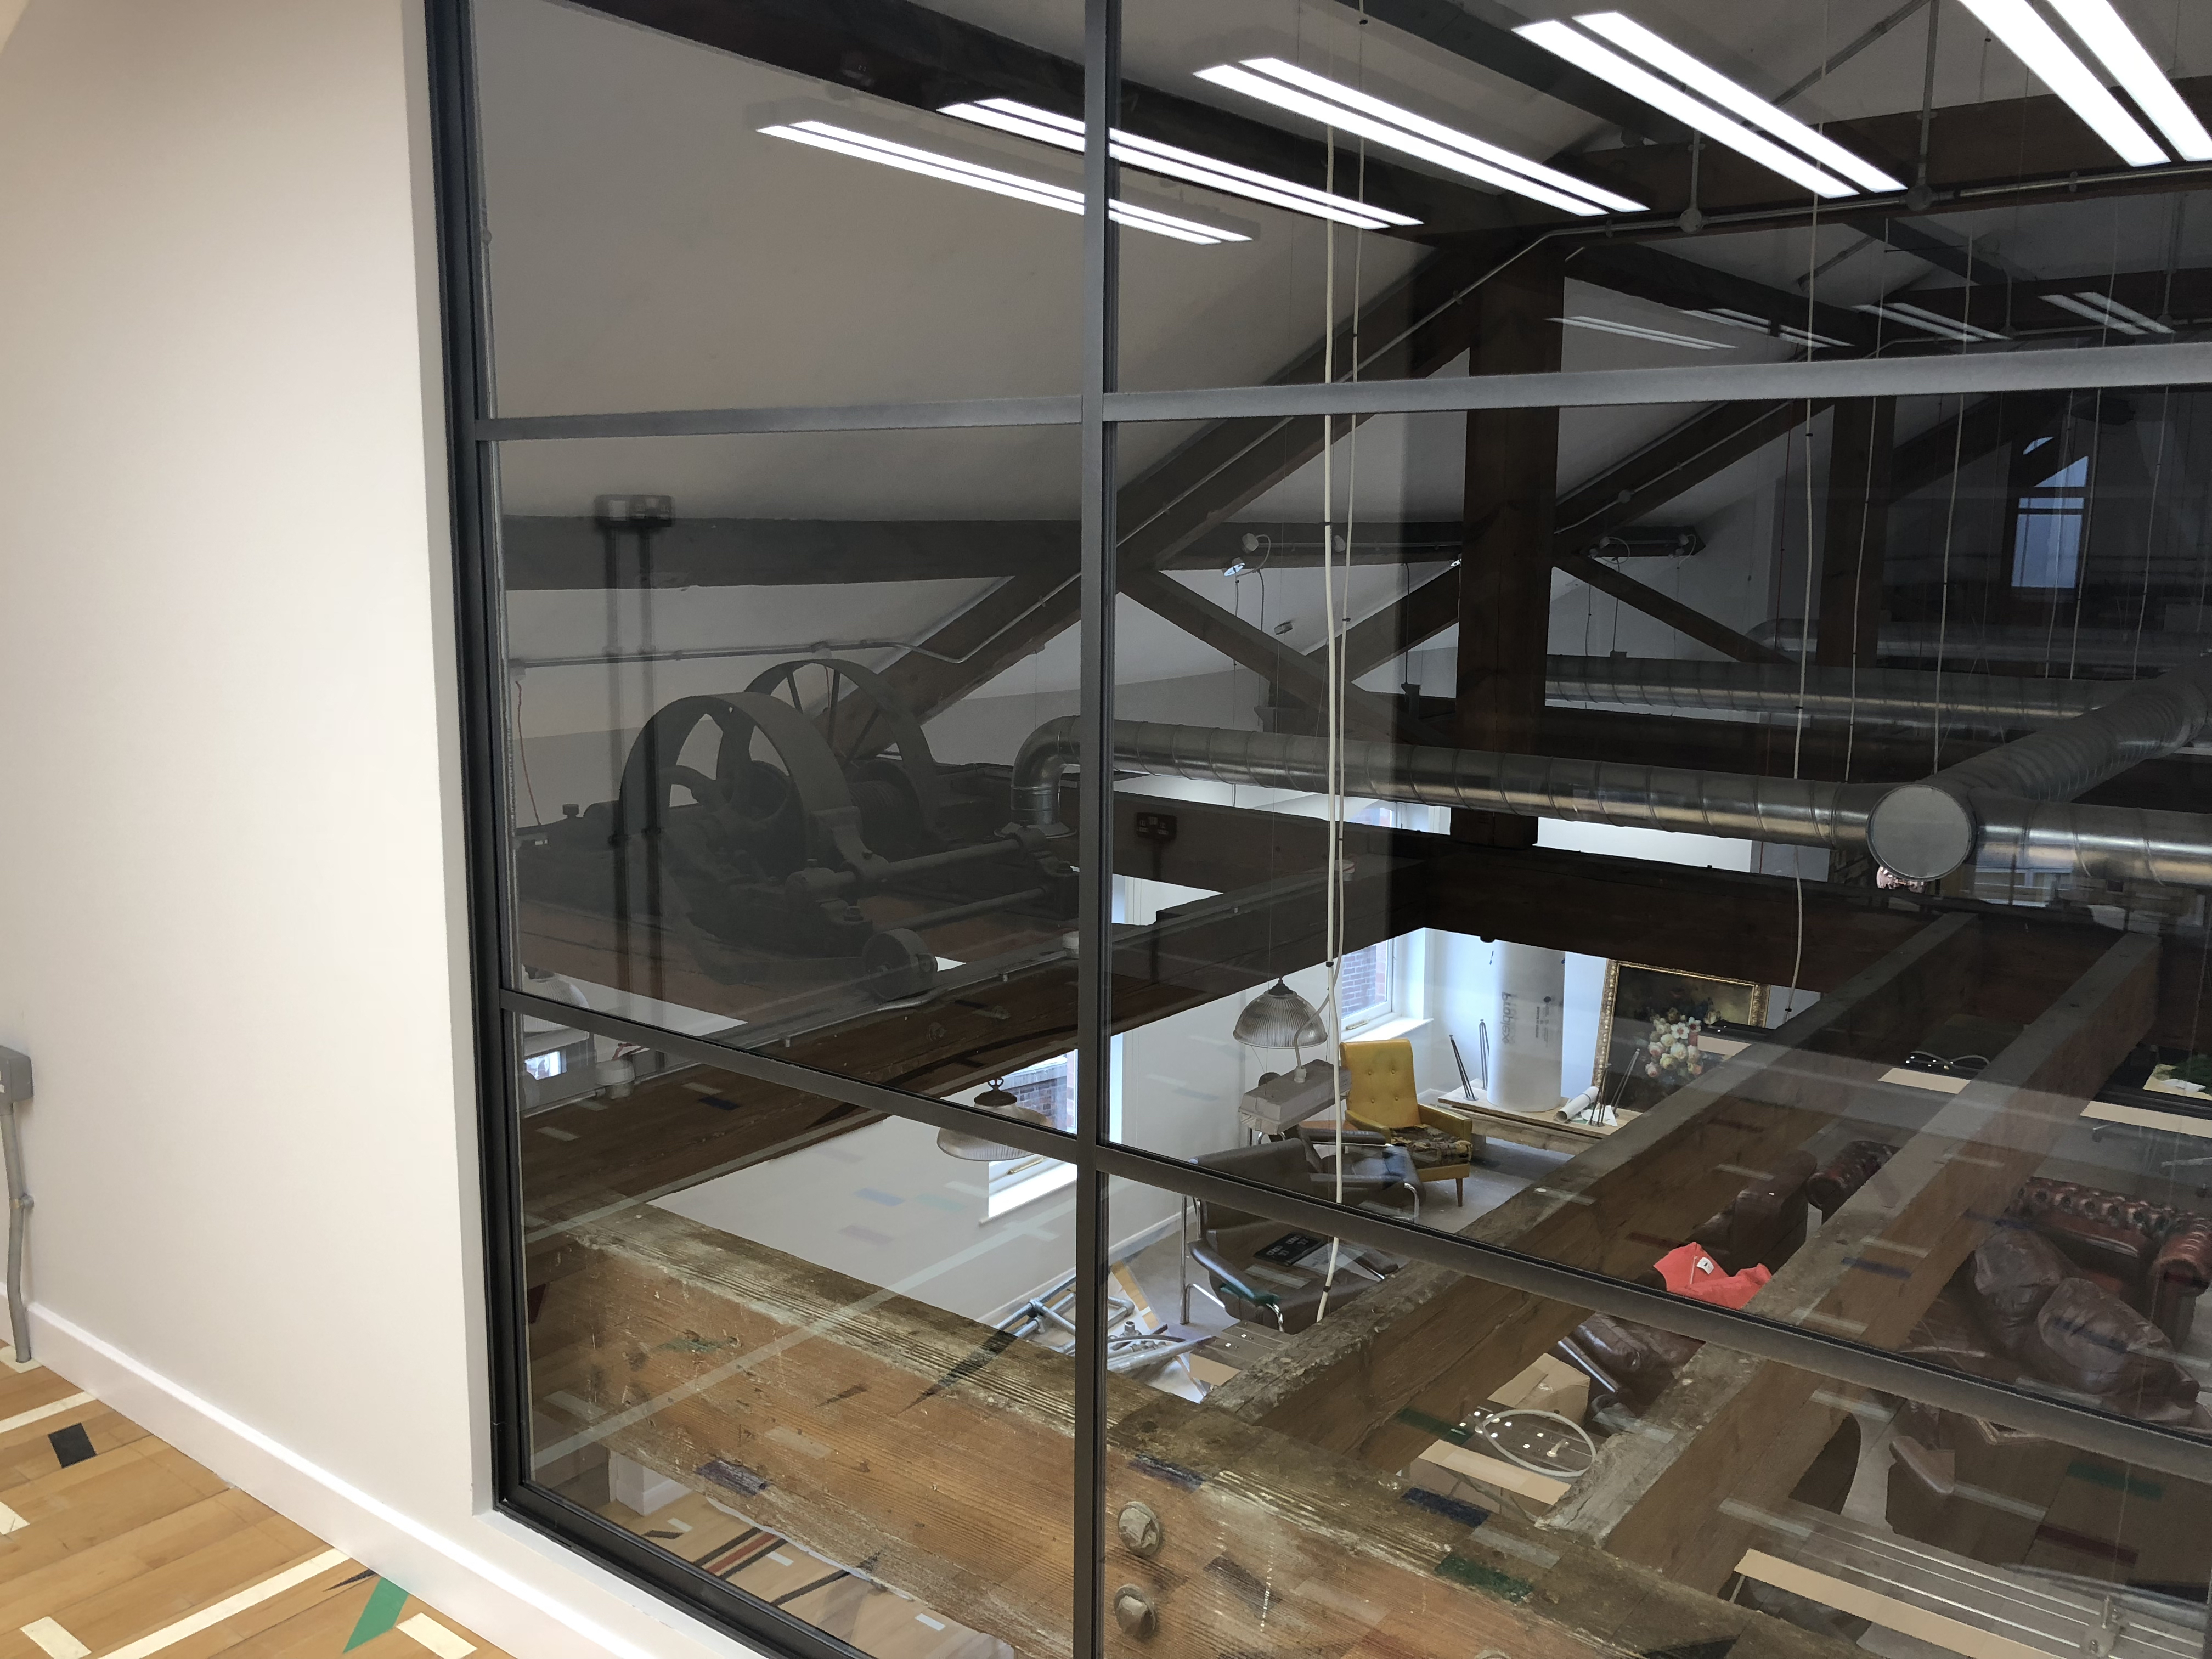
(1140, 1528)
(1135, 1613)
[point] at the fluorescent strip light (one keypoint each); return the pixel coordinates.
(2122, 55)
(2102, 318)
(1150, 155)
(1702, 77)
(2150, 324)
(1973, 331)
(2052, 62)
(1638, 83)
(1481, 149)
(867, 147)
(1660, 336)
(1239, 79)
(1926, 323)
(1744, 319)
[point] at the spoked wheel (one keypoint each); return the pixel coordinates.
(871, 730)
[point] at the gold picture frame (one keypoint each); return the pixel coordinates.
(1652, 989)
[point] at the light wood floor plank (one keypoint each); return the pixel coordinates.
(122, 1557)
(113, 1617)
(73, 1509)
(120, 1549)
(29, 1453)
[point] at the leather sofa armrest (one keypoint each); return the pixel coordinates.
(2180, 1273)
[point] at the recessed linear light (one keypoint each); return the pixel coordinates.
(2122, 53)
(1150, 155)
(1412, 135)
(867, 147)
(2052, 62)
(1789, 331)
(1701, 77)
(1658, 336)
(1366, 103)
(1609, 65)
(2107, 314)
(1929, 322)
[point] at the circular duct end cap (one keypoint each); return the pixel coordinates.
(1920, 832)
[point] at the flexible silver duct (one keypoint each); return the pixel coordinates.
(1927, 830)
(1873, 697)
(2088, 843)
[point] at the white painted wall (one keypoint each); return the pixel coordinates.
(229, 860)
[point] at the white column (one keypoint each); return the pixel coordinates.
(1532, 996)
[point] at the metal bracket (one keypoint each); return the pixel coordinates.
(14, 1090)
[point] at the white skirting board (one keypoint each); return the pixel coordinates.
(595, 1615)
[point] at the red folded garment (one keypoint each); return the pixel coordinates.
(1690, 1272)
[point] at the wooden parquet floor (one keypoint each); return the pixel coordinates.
(114, 1545)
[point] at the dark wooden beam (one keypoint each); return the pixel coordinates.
(1699, 449)
(1281, 664)
(1733, 1428)
(1646, 271)
(1861, 441)
(1510, 490)
(1667, 609)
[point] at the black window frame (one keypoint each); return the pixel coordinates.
(1098, 409)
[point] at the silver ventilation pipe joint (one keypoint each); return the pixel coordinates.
(1925, 831)
(1875, 696)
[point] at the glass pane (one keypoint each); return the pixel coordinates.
(1868, 962)
(765, 697)
(1442, 1466)
(1675, 186)
(816, 1370)
(737, 204)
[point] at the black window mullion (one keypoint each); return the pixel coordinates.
(1102, 68)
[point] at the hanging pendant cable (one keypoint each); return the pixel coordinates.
(1333, 660)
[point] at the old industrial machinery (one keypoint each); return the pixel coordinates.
(803, 808)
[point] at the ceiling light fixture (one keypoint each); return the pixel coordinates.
(1150, 155)
(2107, 312)
(2052, 62)
(1701, 77)
(1789, 331)
(1347, 109)
(1605, 326)
(867, 147)
(1929, 322)
(1608, 65)
(2122, 55)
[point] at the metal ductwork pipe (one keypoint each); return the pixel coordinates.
(1927, 830)
(1801, 813)
(2097, 843)
(1874, 696)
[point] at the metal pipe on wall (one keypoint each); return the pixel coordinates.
(2098, 843)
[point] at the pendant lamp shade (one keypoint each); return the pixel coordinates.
(1279, 1018)
(980, 1149)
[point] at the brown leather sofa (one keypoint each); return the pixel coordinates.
(1251, 1262)
(2085, 1290)
(2155, 1258)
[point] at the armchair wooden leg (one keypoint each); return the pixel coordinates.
(1459, 1185)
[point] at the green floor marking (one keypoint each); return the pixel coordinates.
(379, 1615)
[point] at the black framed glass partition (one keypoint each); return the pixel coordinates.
(1345, 829)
